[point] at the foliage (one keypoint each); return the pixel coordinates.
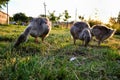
(118, 18)
(81, 18)
(11, 19)
(55, 19)
(112, 20)
(66, 15)
(3, 3)
(29, 18)
(20, 17)
(115, 20)
(117, 27)
(52, 16)
(59, 17)
(94, 22)
(115, 23)
(51, 60)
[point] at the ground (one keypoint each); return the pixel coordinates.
(51, 59)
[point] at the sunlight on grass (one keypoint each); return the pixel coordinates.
(50, 60)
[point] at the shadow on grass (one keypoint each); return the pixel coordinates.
(26, 50)
(6, 39)
(82, 50)
(30, 49)
(69, 49)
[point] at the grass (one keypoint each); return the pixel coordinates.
(51, 60)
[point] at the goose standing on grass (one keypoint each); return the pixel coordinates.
(81, 31)
(38, 27)
(102, 33)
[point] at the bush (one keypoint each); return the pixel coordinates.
(94, 22)
(117, 27)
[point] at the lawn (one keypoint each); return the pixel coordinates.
(57, 58)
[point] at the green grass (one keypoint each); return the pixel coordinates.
(51, 60)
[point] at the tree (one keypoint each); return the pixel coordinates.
(112, 20)
(66, 16)
(29, 18)
(52, 16)
(20, 17)
(93, 22)
(81, 18)
(58, 17)
(118, 18)
(55, 19)
(115, 23)
(3, 3)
